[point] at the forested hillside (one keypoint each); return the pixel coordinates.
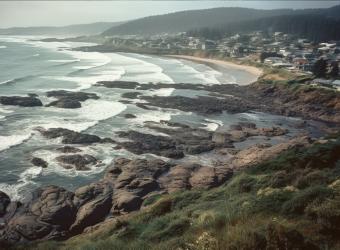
(316, 28)
(193, 19)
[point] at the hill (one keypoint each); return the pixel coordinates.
(70, 30)
(317, 28)
(185, 20)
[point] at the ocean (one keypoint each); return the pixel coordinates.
(31, 66)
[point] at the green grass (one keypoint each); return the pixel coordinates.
(285, 203)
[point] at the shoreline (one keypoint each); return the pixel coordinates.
(252, 70)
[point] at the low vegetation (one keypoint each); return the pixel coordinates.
(291, 202)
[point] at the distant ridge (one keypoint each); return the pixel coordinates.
(70, 30)
(192, 19)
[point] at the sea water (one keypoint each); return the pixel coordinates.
(31, 66)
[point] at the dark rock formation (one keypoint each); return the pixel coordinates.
(194, 176)
(68, 149)
(39, 162)
(68, 136)
(118, 84)
(68, 99)
(133, 179)
(80, 161)
(4, 201)
(20, 101)
(32, 95)
(128, 116)
(131, 95)
(145, 143)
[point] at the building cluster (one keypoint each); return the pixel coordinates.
(295, 55)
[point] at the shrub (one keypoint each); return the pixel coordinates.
(296, 206)
(272, 202)
(310, 180)
(152, 199)
(281, 236)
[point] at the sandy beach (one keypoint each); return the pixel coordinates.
(252, 70)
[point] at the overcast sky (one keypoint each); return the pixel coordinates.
(50, 13)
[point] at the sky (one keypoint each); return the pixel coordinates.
(61, 13)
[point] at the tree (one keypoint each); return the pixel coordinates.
(334, 73)
(320, 68)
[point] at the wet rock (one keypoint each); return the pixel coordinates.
(118, 84)
(68, 136)
(270, 131)
(69, 99)
(4, 202)
(236, 127)
(32, 95)
(20, 101)
(226, 151)
(230, 136)
(68, 149)
(129, 116)
(297, 126)
(131, 95)
(65, 103)
(81, 162)
(39, 162)
(146, 143)
(202, 104)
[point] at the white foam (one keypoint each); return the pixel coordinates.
(64, 61)
(210, 126)
(3, 110)
(139, 70)
(159, 92)
(91, 112)
(1, 116)
(13, 140)
(36, 55)
(3, 47)
(215, 121)
(87, 82)
(8, 81)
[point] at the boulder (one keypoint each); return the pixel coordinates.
(81, 162)
(4, 202)
(68, 149)
(20, 101)
(39, 162)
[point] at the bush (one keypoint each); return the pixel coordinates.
(152, 199)
(271, 203)
(296, 206)
(310, 180)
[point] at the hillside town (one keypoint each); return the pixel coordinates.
(279, 50)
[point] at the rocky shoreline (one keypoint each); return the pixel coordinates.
(55, 213)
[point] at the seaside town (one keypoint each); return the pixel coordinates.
(297, 55)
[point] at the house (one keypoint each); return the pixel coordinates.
(303, 40)
(208, 45)
(336, 84)
(273, 60)
(312, 50)
(321, 82)
(303, 64)
(282, 65)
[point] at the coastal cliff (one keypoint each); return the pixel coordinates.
(245, 181)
